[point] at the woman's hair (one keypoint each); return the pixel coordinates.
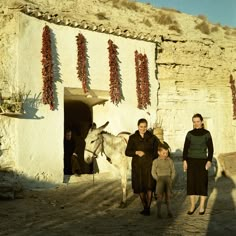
(197, 115)
(142, 120)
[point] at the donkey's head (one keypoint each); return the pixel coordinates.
(93, 143)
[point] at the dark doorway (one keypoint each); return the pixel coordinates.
(78, 118)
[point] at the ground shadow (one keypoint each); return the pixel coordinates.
(223, 216)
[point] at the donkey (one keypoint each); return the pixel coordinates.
(113, 147)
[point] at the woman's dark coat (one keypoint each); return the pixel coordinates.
(142, 180)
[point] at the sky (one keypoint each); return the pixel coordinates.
(216, 11)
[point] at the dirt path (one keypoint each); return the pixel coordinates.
(84, 208)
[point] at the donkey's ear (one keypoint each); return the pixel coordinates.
(103, 126)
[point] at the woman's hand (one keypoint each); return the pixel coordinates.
(139, 153)
(208, 165)
(185, 166)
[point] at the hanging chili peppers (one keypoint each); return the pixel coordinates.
(115, 80)
(233, 89)
(82, 62)
(142, 81)
(47, 70)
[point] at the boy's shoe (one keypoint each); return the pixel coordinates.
(170, 215)
(145, 212)
(142, 212)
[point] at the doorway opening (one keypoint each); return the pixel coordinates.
(78, 118)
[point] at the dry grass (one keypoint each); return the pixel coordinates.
(215, 28)
(203, 27)
(131, 5)
(164, 19)
(147, 22)
(102, 16)
(226, 27)
(170, 9)
(234, 32)
(131, 21)
(176, 28)
(202, 17)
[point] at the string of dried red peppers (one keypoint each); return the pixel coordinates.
(82, 62)
(47, 70)
(115, 80)
(142, 81)
(233, 89)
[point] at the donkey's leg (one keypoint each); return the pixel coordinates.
(123, 174)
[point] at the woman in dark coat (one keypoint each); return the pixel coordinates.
(142, 146)
(197, 158)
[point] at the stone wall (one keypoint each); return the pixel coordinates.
(194, 78)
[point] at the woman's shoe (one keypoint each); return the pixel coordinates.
(191, 212)
(201, 212)
(142, 212)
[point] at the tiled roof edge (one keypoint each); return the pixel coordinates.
(59, 20)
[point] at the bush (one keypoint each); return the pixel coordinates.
(170, 9)
(202, 17)
(164, 19)
(233, 33)
(215, 28)
(203, 27)
(175, 28)
(147, 22)
(102, 16)
(125, 3)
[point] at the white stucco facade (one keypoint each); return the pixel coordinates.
(40, 138)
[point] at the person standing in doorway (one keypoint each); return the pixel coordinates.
(197, 157)
(69, 147)
(142, 147)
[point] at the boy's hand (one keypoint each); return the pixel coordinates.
(185, 166)
(208, 165)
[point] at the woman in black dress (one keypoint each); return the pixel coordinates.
(142, 146)
(197, 158)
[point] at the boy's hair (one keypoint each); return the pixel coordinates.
(163, 146)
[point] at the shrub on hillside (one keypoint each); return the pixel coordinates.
(176, 28)
(215, 28)
(203, 27)
(202, 17)
(164, 19)
(102, 16)
(147, 22)
(234, 32)
(170, 9)
(125, 3)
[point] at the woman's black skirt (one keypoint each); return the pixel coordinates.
(142, 180)
(197, 177)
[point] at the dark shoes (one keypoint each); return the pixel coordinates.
(170, 215)
(145, 212)
(191, 212)
(201, 212)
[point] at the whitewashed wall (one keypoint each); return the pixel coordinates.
(40, 141)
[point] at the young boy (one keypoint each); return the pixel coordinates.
(163, 171)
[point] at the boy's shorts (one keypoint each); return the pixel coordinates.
(164, 186)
